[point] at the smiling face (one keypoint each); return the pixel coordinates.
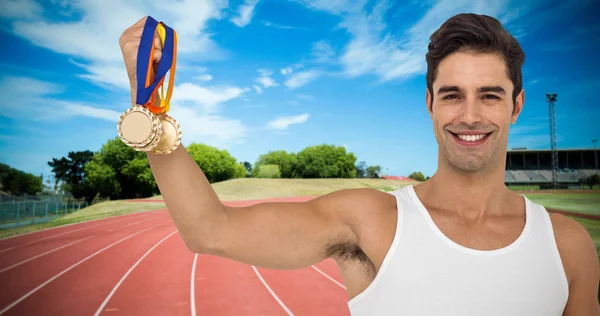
(472, 109)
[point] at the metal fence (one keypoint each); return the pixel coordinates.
(19, 213)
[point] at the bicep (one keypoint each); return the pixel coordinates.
(583, 291)
(284, 235)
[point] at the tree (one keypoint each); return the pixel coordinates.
(248, 167)
(418, 176)
(286, 161)
(373, 171)
(118, 171)
(18, 182)
(361, 169)
(268, 171)
(325, 161)
(592, 181)
(217, 165)
(240, 171)
(71, 170)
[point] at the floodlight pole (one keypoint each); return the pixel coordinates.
(594, 141)
(551, 98)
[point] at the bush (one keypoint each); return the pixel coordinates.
(217, 165)
(418, 176)
(268, 171)
(326, 161)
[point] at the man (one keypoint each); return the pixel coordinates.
(460, 243)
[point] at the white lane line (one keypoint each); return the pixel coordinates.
(45, 253)
(127, 274)
(192, 286)
(330, 278)
(65, 233)
(71, 267)
(93, 220)
(149, 219)
(271, 291)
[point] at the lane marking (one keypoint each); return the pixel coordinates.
(71, 267)
(330, 278)
(45, 253)
(192, 287)
(92, 220)
(65, 233)
(149, 219)
(272, 292)
(110, 295)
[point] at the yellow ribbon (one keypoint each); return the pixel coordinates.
(165, 101)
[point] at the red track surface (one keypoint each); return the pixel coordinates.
(138, 265)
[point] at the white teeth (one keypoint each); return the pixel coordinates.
(471, 138)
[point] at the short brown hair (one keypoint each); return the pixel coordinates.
(468, 32)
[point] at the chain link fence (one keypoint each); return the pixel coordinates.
(27, 212)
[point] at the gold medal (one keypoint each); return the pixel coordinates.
(146, 126)
(171, 136)
(139, 128)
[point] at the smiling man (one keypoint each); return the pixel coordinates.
(460, 243)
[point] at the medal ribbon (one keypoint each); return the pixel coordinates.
(146, 89)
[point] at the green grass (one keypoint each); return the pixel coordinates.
(96, 211)
(253, 188)
(587, 203)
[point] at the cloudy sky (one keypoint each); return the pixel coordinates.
(260, 75)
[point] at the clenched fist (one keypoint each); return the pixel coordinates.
(130, 43)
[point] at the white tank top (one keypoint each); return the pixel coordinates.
(426, 273)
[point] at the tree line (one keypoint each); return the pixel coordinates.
(117, 171)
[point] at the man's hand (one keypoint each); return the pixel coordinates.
(130, 43)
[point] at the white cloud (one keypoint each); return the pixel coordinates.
(244, 12)
(194, 107)
(373, 50)
(204, 77)
(286, 71)
(20, 9)
(26, 98)
(94, 37)
(306, 97)
(284, 122)
(74, 109)
(257, 88)
(302, 78)
(208, 129)
(265, 78)
(205, 99)
(322, 51)
(279, 26)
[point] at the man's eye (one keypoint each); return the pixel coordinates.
(450, 97)
(491, 96)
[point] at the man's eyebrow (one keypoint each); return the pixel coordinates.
(497, 89)
(444, 89)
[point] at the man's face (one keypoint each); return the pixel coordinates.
(472, 110)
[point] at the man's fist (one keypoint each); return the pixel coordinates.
(130, 43)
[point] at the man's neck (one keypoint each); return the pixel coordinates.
(470, 194)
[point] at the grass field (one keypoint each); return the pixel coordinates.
(586, 203)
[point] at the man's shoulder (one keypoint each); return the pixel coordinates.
(569, 231)
(576, 247)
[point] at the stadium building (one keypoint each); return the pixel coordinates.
(534, 167)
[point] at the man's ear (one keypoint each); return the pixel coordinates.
(428, 100)
(518, 107)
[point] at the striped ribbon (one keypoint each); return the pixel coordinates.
(146, 87)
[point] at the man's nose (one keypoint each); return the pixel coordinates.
(470, 111)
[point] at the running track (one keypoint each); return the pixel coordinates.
(137, 264)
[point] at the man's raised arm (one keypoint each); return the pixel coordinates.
(275, 235)
(278, 235)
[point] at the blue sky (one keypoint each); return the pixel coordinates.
(254, 76)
